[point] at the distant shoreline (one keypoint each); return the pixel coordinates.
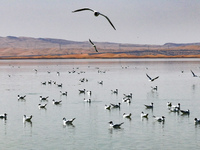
(98, 56)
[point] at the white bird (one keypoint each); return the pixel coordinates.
(56, 102)
(3, 116)
(127, 115)
(196, 121)
(159, 119)
(115, 125)
(151, 79)
(87, 100)
(68, 122)
(42, 106)
(28, 119)
(96, 13)
(186, 112)
(115, 105)
(93, 45)
(107, 107)
(143, 115)
(149, 106)
(44, 98)
(177, 107)
(126, 100)
(194, 75)
(21, 97)
(89, 93)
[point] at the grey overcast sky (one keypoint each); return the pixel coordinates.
(136, 21)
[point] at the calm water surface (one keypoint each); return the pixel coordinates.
(90, 129)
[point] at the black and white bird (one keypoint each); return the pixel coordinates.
(143, 115)
(196, 121)
(154, 88)
(169, 104)
(159, 119)
(93, 45)
(63, 93)
(3, 116)
(151, 79)
(87, 100)
(44, 98)
(42, 106)
(56, 102)
(82, 91)
(114, 91)
(128, 95)
(194, 75)
(107, 107)
(115, 105)
(185, 112)
(68, 122)
(28, 119)
(116, 126)
(21, 97)
(96, 13)
(125, 115)
(149, 106)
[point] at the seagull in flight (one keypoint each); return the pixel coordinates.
(93, 45)
(96, 13)
(194, 75)
(152, 79)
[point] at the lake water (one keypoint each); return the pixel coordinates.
(90, 129)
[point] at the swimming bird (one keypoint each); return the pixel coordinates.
(144, 115)
(176, 107)
(151, 79)
(114, 91)
(96, 13)
(63, 93)
(93, 45)
(28, 119)
(3, 116)
(149, 106)
(44, 98)
(56, 102)
(194, 75)
(82, 91)
(169, 104)
(115, 105)
(42, 106)
(107, 107)
(100, 82)
(127, 115)
(196, 121)
(128, 95)
(126, 100)
(21, 97)
(116, 126)
(89, 93)
(44, 83)
(87, 100)
(185, 112)
(159, 119)
(68, 122)
(154, 88)
(59, 85)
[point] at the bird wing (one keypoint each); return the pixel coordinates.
(156, 78)
(148, 76)
(108, 20)
(91, 42)
(193, 73)
(82, 9)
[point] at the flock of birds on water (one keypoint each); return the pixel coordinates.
(126, 99)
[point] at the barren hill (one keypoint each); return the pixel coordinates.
(27, 47)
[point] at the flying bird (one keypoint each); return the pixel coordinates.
(194, 75)
(152, 79)
(93, 45)
(96, 13)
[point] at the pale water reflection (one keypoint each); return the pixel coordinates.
(90, 129)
